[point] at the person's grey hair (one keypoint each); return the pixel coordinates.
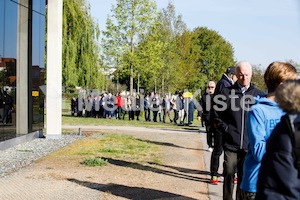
(211, 83)
(243, 63)
(288, 96)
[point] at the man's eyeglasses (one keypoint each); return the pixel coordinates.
(209, 87)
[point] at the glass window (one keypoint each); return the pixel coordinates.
(8, 65)
(8, 56)
(38, 52)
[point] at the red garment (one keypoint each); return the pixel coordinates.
(119, 101)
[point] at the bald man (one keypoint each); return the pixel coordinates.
(230, 112)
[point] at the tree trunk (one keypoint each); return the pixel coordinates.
(131, 79)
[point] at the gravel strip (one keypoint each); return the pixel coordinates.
(24, 154)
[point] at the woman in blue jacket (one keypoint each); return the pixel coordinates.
(279, 175)
(261, 121)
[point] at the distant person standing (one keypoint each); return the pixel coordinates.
(166, 104)
(227, 80)
(180, 107)
(206, 104)
(73, 106)
(7, 105)
(119, 104)
(230, 118)
(147, 108)
(174, 106)
(191, 109)
(137, 107)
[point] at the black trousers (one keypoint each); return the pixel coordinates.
(215, 155)
(155, 116)
(233, 162)
(209, 135)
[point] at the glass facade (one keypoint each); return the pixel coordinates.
(38, 52)
(9, 50)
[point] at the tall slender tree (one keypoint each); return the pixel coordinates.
(130, 20)
(171, 27)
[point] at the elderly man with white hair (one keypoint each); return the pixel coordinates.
(230, 111)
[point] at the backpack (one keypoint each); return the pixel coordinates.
(293, 124)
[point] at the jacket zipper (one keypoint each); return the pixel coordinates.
(243, 121)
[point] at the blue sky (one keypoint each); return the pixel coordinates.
(260, 31)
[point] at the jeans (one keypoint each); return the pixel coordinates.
(233, 162)
(175, 116)
(147, 114)
(217, 152)
(119, 112)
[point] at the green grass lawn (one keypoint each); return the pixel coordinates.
(71, 120)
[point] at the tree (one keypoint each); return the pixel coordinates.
(171, 27)
(149, 59)
(186, 67)
(131, 19)
(80, 47)
(215, 54)
(258, 78)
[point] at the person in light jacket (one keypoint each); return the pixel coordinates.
(279, 175)
(261, 120)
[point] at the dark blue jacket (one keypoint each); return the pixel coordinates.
(278, 176)
(231, 122)
(224, 82)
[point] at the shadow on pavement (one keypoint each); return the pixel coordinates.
(184, 170)
(165, 144)
(153, 169)
(187, 130)
(130, 192)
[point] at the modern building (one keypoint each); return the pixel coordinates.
(23, 26)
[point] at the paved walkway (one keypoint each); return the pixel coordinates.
(18, 186)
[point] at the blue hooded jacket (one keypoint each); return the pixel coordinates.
(261, 121)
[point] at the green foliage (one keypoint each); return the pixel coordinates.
(131, 19)
(258, 78)
(171, 27)
(157, 56)
(80, 48)
(95, 162)
(157, 47)
(215, 54)
(186, 68)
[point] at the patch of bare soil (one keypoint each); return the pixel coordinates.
(181, 175)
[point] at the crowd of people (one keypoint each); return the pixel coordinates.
(252, 134)
(255, 130)
(170, 108)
